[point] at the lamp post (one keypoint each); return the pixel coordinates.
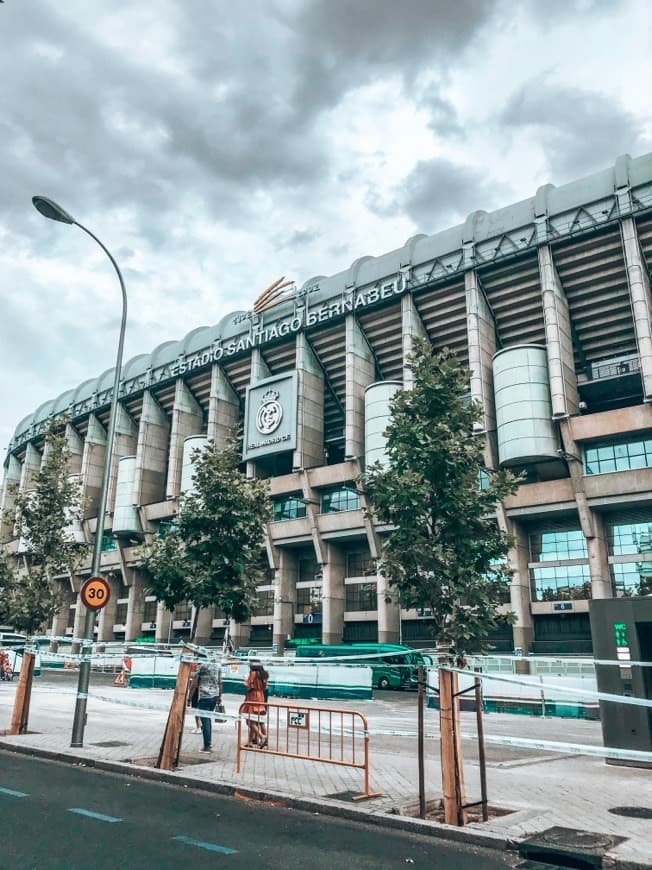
(51, 210)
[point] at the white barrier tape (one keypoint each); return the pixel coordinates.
(565, 690)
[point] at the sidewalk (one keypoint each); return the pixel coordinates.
(540, 789)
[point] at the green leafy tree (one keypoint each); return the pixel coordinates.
(44, 518)
(445, 551)
(213, 553)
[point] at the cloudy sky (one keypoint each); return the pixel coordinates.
(216, 146)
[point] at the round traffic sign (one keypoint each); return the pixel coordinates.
(95, 593)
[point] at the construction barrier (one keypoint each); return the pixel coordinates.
(311, 733)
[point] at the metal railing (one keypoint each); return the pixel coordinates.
(311, 733)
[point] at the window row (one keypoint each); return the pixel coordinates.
(618, 456)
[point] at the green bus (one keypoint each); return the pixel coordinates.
(393, 666)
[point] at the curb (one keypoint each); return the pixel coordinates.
(338, 809)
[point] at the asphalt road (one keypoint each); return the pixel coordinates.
(53, 815)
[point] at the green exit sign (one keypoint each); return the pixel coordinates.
(620, 633)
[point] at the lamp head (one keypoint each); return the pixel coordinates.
(49, 209)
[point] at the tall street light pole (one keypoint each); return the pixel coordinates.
(51, 210)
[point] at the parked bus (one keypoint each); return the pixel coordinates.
(393, 666)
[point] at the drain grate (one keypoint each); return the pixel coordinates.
(633, 812)
(343, 795)
(110, 744)
(568, 847)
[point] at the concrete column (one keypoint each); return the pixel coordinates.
(240, 633)
(106, 618)
(333, 595)
(187, 419)
(285, 598)
(310, 407)
(136, 607)
(559, 340)
(92, 466)
(204, 625)
(641, 298)
(223, 409)
(151, 453)
(389, 612)
(590, 521)
(520, 599)
(78, 624)
(412, 328)
(360, 372)
(9, 488)
(481, 338)
(31, 467)
(76, 448)
(124, 444)
(163, 623)
(60, 618)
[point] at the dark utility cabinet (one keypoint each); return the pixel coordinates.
(622, 631)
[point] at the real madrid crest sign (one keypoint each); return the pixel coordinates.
(270, 425)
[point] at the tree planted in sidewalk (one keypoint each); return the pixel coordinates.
(49, 552)
(445, 551)
(213, 552)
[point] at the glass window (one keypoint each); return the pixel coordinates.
(557, 545)
(483, 479)
(149, 611)
(108, 543)
(360, 564)
(626, 538)
(308, 569)
(265, 603)
(632, 578)
(342, 498)
(618, 456)
(361, 596)
(166, 526)
(291, 507)
(309, 599)
(560, 583)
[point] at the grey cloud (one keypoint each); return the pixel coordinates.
(300, 238)
(438, 193)
(443, 121)
(580, 131)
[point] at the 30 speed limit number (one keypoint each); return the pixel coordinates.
(95, 593)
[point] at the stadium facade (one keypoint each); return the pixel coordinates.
(547, 301)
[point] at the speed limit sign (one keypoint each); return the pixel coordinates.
(95, 593)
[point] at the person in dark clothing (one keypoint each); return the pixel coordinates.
(208, 696)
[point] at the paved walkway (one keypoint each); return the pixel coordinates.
(539, 789)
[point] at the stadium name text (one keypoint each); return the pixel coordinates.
(305, 317)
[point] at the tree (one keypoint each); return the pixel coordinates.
(445, 551)
(213, 553)
(44, 518)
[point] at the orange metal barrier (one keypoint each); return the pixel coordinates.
(312, 733)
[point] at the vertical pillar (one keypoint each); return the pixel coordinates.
(240, 633)
(125, 443)
(518, 558)
(60, 618)
(151, 453)
(412, 328)
(333, 595)
(310, 407)
(259, 372)
(106, 618)
(285, 597)
(482, 344)
(223, 409)
(31, 467)
(204, 628)
(360, 372)
(597, 547)
(78, 624)
(92, 466)
(389, 612)
(76, 448)
(187, 419)
(9, 489)
(136, 607)
(641, 298)
(559, 340)
(163, 623)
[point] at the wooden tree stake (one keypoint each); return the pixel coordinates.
(168, 757)
(20, 714)
(452, 773)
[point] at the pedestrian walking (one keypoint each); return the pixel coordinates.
(208, 696)
(255, 706)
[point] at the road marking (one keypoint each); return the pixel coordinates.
(13, 793)
(210, 847)
(98, 816)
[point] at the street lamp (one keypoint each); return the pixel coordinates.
(51, 210)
